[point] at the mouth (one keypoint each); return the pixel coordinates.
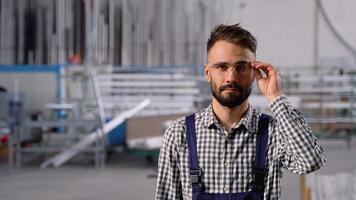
(232, 90)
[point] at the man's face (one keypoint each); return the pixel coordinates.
(229, 73)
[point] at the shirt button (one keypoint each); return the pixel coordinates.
(226, 164)
(225, 189)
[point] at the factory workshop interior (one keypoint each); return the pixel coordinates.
(88, 87)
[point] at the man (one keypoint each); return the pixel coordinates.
(230, 150)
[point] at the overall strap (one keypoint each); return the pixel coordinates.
(261, 152)
(195, 171)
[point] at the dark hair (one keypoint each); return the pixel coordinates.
(234, 34)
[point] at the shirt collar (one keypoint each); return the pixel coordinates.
(209, 118)
(246, 122)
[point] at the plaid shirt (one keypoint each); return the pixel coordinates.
(227, 158)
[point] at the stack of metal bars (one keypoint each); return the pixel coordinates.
(116, 32)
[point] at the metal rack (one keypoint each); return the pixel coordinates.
(328, 99)
(67, 128)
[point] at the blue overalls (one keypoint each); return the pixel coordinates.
(259, 171)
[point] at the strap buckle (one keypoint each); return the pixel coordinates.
(195, 176)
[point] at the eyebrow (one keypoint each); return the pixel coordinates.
(219, 63)
(225, 63)
(242, 61)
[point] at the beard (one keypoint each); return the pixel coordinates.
(233, 99)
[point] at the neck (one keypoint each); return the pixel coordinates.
(228, 117)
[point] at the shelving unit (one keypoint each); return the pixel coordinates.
(328, 99)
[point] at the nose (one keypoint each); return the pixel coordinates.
(231, 75)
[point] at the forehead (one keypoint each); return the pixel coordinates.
(223, 51)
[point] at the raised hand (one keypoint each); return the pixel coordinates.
(269, 84)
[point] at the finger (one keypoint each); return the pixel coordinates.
(254, 63)
(262, 66)
(264, 69)
(267, 68)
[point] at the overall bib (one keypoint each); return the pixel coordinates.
(259, 170)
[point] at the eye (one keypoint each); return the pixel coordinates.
(241, 66)
(220, 67)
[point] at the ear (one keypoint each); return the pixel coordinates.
(207, 72)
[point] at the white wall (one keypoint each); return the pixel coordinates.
(38, 89)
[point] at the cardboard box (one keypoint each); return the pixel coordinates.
(146, 127)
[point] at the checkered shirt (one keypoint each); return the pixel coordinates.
(227, 158)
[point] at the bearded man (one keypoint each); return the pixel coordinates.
(230, 150)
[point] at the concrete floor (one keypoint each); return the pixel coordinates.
(129, 178)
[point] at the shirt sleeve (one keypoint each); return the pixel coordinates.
(298, 149)
(168, 182)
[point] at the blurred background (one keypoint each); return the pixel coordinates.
(87, 88)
